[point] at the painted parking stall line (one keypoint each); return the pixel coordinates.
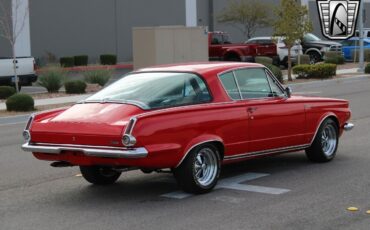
(235, 183)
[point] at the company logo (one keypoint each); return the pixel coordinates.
(338, 17)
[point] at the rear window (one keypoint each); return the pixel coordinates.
(155, 90)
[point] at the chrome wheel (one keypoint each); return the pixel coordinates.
(205, 167)
(329, 140)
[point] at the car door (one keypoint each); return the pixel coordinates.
(274, 120)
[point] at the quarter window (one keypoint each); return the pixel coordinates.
(228, 81)
(253, 83)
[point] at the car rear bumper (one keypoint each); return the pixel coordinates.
(348, 126)
(95, 151)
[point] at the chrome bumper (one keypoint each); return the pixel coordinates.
(348, 126)
(88, 150)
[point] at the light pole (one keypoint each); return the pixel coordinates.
(361, 34)
(191, 13)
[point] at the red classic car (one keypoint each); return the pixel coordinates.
(189, 118)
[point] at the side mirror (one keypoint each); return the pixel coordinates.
(288, 91)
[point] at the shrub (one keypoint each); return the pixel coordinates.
(355, 55)
(276, 71)
(81, 60)
(67, 61)
(99, 76)
(321, 70)
(263, 60)
(108, 59)
(334, 57)
(6, 91)
(20, 102)
(77, 87)
(335, 60)
(367, 68)
(304, 59)
(52, 78)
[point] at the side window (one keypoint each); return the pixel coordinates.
(275, 89)
(253, 83)
(196, 88)
(368, 34)
(230, 86)
(216, 39)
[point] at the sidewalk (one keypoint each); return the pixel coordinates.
(55, 101)
(339, 71)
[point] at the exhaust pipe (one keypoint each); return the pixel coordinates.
(61, 164)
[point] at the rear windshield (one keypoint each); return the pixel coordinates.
(155, 90)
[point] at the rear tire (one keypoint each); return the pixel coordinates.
(200, 170)
(99, 175)
(325, 144)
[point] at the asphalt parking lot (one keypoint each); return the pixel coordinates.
(280, 192)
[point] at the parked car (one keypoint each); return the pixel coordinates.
(25, 71)
(351, 45)
(190, 118)
(366, 33)
(221, 49)
(316, 48)
(281, 48)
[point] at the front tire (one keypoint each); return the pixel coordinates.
(314, 57)
(325, 144)
(200, 170)
(99, 175)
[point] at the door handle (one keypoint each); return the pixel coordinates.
(251, 109)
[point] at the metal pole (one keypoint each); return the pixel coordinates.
(361, 33)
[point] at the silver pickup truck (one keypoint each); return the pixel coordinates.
(25, 71)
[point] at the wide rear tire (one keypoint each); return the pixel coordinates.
(99, 175)
(325, 144)
(200, 170)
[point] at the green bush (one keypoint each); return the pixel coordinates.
(263, 60)
(67, 61)
(304, 59)
(75, 87)
(99, 76)
(6, 91)
(322, 70)
(20, 102)
(108, 59)
(81, 60)
(367, 68)
(339, 60)
(52, 78)
(334, 57)
(276, 71)
(355, 55)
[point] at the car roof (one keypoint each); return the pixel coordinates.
(357, 38)
(202, 68)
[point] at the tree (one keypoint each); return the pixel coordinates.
(292, 23)
(11, 27)
(246, 15)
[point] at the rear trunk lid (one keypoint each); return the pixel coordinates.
(85, 124)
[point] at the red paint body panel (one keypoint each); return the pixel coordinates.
(241, 127)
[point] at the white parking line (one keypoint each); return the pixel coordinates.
(235, 184)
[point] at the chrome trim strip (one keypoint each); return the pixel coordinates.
(237, 86)
(317, 129)
(29, 122)
(348, 126)
(88, 150)
(266, 152)
(192, 147)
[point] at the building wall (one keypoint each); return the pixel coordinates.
(94, 27)
(5, 47)
(236, 34)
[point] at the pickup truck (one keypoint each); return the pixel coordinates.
(221, 49)
(25, 71)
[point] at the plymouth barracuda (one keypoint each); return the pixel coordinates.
(189, 118)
